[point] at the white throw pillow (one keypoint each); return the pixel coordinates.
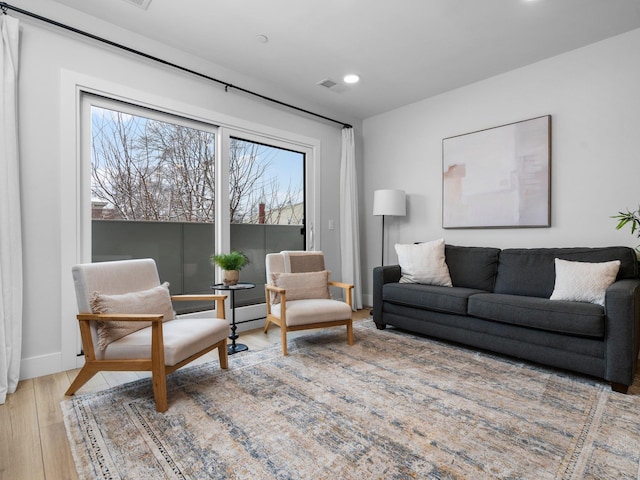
(583, 281)
(424, 263)
(302, 286)
(155, 300)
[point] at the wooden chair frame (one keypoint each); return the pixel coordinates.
(281, 321)
(155, 364)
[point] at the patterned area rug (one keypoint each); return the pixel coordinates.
(392, 406)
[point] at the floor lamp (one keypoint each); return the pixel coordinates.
(389, 202)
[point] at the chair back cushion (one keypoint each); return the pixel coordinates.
(112, 278)
(301, 261)
(293, 261)
(274, 263)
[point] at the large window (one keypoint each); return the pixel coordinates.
(151, 170)
(154, 181)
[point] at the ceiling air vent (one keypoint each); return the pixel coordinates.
(331, 85)
(143, 4)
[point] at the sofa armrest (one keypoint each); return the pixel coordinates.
(622, 330)
(382, 275)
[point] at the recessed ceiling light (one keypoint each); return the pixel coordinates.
(262, 38)
(351, 78)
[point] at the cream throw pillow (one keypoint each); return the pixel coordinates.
(424, 263)
(583, 281)
(300, 286)
(154, 300)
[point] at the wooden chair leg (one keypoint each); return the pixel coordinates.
(266, 325)
(158, 370)
(283, 339)
(223, 354)
(83, 377)
(350, 333)
(160, 390)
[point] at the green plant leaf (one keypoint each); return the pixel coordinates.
(230, 261)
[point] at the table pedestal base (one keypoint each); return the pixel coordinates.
(236, 347)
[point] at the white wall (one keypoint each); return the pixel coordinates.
(49, 59)
(593, 96)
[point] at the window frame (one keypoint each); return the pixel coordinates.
(75, 184)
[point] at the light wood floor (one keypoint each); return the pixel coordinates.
(33, 441)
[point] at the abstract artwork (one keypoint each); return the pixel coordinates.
(498, 177)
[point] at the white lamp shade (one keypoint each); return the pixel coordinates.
(389, 202)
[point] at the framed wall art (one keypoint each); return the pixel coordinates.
(499, 177)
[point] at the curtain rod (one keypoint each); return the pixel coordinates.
(5, 6)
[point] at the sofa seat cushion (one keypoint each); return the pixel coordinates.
(574, 318)
(429, 297)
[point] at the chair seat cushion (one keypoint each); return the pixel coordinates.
(183, 337)
(317, 310)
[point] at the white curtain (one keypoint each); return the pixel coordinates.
(349, 222)
(10, 225)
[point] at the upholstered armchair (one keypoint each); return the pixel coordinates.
(127, 323)
(298, 295)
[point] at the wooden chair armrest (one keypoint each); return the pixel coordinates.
(348, 291)
(205, 297)
(268, 290)
(120, 317)
(197, 298)
(340, 284)
(274, 289)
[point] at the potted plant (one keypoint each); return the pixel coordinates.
(629, 217)
(231, 264)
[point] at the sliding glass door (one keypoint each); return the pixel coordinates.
(179, 190)
(267, 207)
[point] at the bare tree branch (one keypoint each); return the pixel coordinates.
(151, 170)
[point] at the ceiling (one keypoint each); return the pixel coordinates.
(403, 50)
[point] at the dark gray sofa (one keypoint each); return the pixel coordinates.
(500, 302)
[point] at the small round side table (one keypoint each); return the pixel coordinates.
(234, 347)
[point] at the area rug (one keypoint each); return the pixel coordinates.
(392, 406)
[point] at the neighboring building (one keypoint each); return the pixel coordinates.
(289, 215)
(100, 212)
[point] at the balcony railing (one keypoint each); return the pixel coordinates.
(182, 252)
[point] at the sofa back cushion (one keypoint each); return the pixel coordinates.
(472, 267)
(531, 271)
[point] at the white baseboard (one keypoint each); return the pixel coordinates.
(250, 325)
(39, 366)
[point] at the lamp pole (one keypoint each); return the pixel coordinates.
(382, 243)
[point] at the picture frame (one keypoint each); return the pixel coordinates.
(498, 177)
